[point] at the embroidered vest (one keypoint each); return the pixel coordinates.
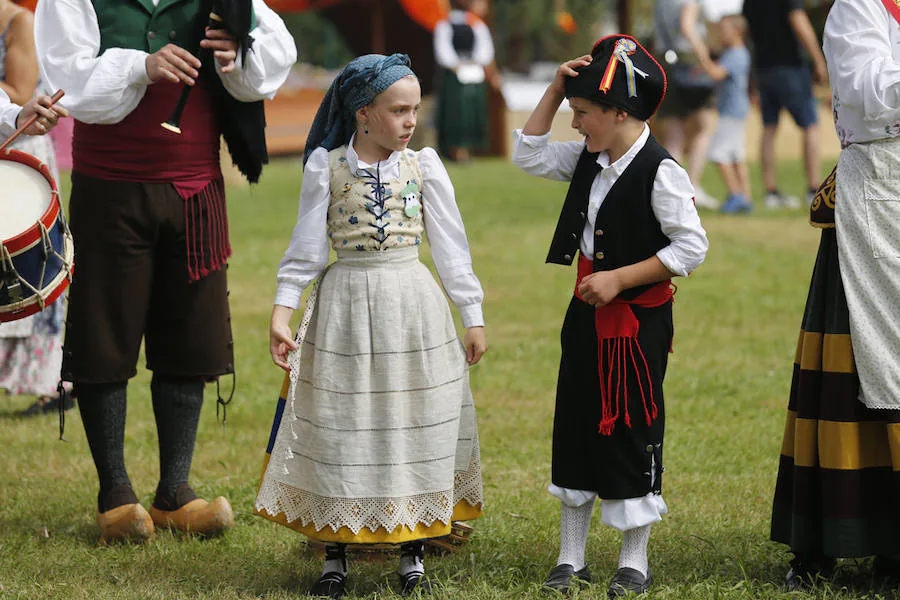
(367, 213)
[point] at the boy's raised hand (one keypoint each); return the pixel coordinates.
(475, 344)
(567, 69)
(281, 340)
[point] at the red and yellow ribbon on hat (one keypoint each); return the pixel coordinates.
(622, 51)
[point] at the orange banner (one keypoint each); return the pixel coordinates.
(426, 13)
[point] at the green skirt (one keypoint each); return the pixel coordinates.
(838, 487)
(461, 113)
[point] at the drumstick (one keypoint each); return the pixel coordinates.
(53, 100)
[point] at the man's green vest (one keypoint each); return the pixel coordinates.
(138, 25)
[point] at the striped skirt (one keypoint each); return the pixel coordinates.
(376, 440)
(838, 487)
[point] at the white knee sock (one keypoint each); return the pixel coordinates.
(634, 549)
(574, 524)
(412, 558)
(335, 559)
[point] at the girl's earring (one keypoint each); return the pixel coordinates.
(366, 128)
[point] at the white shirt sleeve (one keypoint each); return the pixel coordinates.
(536, 155)
(99, 89)
(483, 52)
(447, 239)
(672, 201)
(9, 112)
(307, 255)
(269, 61)
(444, 52)
(860, 59)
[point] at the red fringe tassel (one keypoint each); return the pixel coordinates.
(618, 351)
(206, 223)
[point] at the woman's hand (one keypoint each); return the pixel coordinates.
(48, 115)
(281, 339)
(475, 344)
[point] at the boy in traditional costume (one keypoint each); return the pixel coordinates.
(149, 221)
(375, 439)
(838, 483)
(629, 213)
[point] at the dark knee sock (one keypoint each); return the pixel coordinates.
(176, 405)
(102, 409)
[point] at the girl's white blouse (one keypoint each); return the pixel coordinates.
(307, 255)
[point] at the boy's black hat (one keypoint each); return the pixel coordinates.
(622, 74)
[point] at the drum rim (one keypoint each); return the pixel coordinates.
(51, 293)
(33, 234)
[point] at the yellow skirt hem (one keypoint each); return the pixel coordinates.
(463, 511)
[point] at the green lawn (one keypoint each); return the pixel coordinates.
(736, 327)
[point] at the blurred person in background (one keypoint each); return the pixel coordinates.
(728, 148)
(30, 348)
(464, 49)
(788, 60)
(680, 32)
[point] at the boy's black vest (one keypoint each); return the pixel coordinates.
(626, 230)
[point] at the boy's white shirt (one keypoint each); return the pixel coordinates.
(671, 198)
(105, 89)
(308, 253)
(9, 112)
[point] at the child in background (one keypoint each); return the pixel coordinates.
(727, 150)
(629, 212)
(378, 441)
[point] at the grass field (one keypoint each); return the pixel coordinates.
(736, 325)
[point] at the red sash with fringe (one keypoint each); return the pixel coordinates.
(619, 354)
(137, 149)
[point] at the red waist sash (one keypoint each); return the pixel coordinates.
(619, 354)
(138, 149)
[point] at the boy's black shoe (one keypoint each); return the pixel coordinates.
(628, 580)
(562, 576)
(416, 581)
(330, 585)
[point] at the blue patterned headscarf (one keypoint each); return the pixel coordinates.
(355, 87)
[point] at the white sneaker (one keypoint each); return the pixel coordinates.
(810, 198)
(791, 202)
(779, 200)
(772, 200)
(704, 200)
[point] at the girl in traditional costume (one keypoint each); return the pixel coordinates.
(838, 483)
(375, 439)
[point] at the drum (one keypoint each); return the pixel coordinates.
(36, 249)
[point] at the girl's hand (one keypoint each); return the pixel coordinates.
(475, 344)
(567, 69)
(281, 339)
(600, 288)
